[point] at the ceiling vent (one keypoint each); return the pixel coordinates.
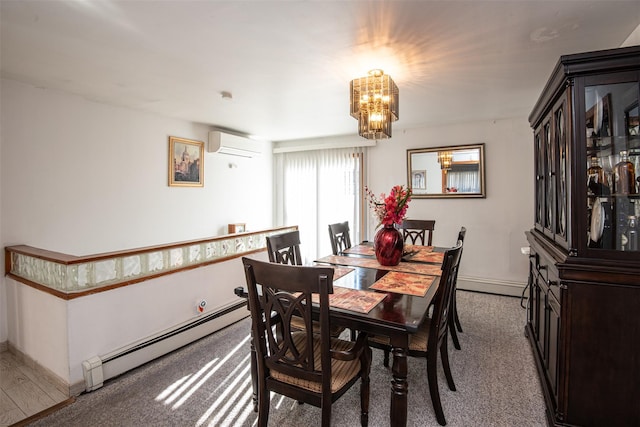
(226, 143)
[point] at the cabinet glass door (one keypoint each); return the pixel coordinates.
(613, 166)
(540, 180)
(561, 173)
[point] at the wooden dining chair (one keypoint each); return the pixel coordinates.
(418, 231)
(454, 322)
(284, 248)
(339, 235)
(432, 335)
(309, 367)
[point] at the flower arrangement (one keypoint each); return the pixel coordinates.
(390, 209)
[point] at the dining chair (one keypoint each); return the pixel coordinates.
(431, 337)
(454, 322)
(284, 248)
(340, 239)
(308, 367)
(418, 231)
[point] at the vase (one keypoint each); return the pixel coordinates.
(388, 244)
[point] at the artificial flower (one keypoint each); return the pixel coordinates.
(390, 209)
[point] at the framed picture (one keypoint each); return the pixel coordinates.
(237, 228)
(186, 162)
(419, 179)
(632, 121)
(598, 118)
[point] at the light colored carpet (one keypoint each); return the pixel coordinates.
(208, 383)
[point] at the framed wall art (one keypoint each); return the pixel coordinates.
(186, 162)
(419, 179)
(237, 228)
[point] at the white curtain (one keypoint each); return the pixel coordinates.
(464, 181)
(315, 189)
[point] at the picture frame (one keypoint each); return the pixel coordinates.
(237, 228)
(598, 118)
(419, 179)
(632, 120)
(186, 162)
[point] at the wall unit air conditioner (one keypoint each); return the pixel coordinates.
(226, 143)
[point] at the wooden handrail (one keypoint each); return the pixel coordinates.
(64, 265)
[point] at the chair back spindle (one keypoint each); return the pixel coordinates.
(418, 231)
(339, 235)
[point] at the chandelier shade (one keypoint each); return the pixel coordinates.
(374, 103)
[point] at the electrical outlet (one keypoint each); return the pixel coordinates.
(201, 306)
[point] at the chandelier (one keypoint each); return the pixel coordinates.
(445, 158)
(374, 103)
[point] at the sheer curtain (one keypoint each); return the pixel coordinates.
(317, 188)
(464, 181)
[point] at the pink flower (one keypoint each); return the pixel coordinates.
(390, 209)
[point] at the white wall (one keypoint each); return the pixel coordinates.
(495, 225)
(80, 177)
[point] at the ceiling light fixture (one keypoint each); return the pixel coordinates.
(445, 158)
(374, 103)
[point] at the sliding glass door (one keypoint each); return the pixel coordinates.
(317, 188)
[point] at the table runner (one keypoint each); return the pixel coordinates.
(404, 283)
(338, 272)
(409, 250)
(407, 267)
(360, 250)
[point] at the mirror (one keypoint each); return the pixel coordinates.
(452, 171)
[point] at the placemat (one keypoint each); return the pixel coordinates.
(407, 267)
(352, 299)
(425, 256)
(404, 283)
(416, 248)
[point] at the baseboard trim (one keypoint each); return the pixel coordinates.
(492, 286)
(48, 375)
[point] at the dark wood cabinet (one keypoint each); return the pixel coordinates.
(583, 319)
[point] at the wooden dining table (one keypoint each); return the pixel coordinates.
(384, 301)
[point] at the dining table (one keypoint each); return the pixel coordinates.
(390, 301)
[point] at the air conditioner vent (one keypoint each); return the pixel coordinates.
(226, 143)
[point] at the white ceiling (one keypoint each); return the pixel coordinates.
(288, 64)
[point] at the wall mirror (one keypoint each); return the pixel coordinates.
(451, 171)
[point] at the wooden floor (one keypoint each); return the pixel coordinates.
(23, 393)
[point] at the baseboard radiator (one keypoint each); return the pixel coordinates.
(98, 369)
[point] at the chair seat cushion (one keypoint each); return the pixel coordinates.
(297, 323)
(341, 371)
(417, 341)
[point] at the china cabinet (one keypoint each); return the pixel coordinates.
(583, 319)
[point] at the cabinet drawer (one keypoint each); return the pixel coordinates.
(553, 283)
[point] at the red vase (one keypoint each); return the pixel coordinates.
(388, 244)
